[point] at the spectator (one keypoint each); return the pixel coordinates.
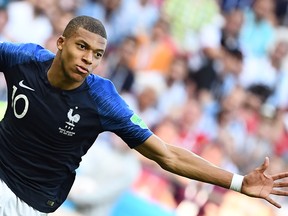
(150, 13)
(231, 30)
(282, 12)
(230, 5)
(96, 192)
(29, 13)
(118, 66)
(113, 14)
(145, 95)
(3, 23)
(174, 95)
(156, 49)
(258, 30)
(279, 98)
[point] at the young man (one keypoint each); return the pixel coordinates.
(56, 109)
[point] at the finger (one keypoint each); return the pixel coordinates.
(273, 202)
(280, 176)
(279, 192)
(264, 166)
(280, 184)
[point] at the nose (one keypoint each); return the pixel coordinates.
(88, 57)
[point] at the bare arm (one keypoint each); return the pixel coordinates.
(185, 163)
(182, 162)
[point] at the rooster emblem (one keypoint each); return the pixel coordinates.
(72, 118)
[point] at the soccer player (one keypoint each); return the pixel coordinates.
(57, 108)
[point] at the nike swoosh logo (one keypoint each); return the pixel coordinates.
(24, 86)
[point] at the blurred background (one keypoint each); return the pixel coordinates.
(210, 76)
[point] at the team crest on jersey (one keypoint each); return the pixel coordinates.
(73, 119)
(138, 121)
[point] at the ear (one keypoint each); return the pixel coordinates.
(60, 42)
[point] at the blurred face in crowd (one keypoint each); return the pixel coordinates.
(234, 21)
(263, 8)
(127, 50)
(178, 69)
(61, 21)
(253, 102)
(231, 63)
(234, 100)
(43, 5)
(147, 98)
(160, 30)
(144, 2)
(279, 53)
(3, 19)
(190, 114)
(111, 5)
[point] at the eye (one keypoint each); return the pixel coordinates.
(98, 55)
(81, 46)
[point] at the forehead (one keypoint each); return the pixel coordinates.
(95, 41)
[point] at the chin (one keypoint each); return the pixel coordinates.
(77, 78)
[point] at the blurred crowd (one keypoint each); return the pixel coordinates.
(210, 76)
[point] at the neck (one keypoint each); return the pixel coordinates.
(57, 78)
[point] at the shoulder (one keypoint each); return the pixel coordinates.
(105, 95)
(101, 86)
(24, 52)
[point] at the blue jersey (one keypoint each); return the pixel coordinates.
(46, 131)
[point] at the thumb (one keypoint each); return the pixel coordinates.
(264, 166)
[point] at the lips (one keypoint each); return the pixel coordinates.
(82, 69)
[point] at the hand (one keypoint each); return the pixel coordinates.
(260, 185)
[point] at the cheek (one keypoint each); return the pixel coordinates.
(95, 64)
(69, 57)
(72, 56)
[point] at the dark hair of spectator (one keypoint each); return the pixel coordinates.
(261, 91)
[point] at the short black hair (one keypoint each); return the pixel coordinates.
(262, 91)
(88, 23)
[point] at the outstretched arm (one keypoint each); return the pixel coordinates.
(185, 163)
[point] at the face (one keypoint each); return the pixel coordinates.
(178, 69)
(79, 55)
(234, 22)
(3, 19)
(127, 51)
(263, 8)
(232, 64)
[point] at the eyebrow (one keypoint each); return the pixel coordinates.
(86, 44)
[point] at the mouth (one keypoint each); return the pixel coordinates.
(82, 69)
